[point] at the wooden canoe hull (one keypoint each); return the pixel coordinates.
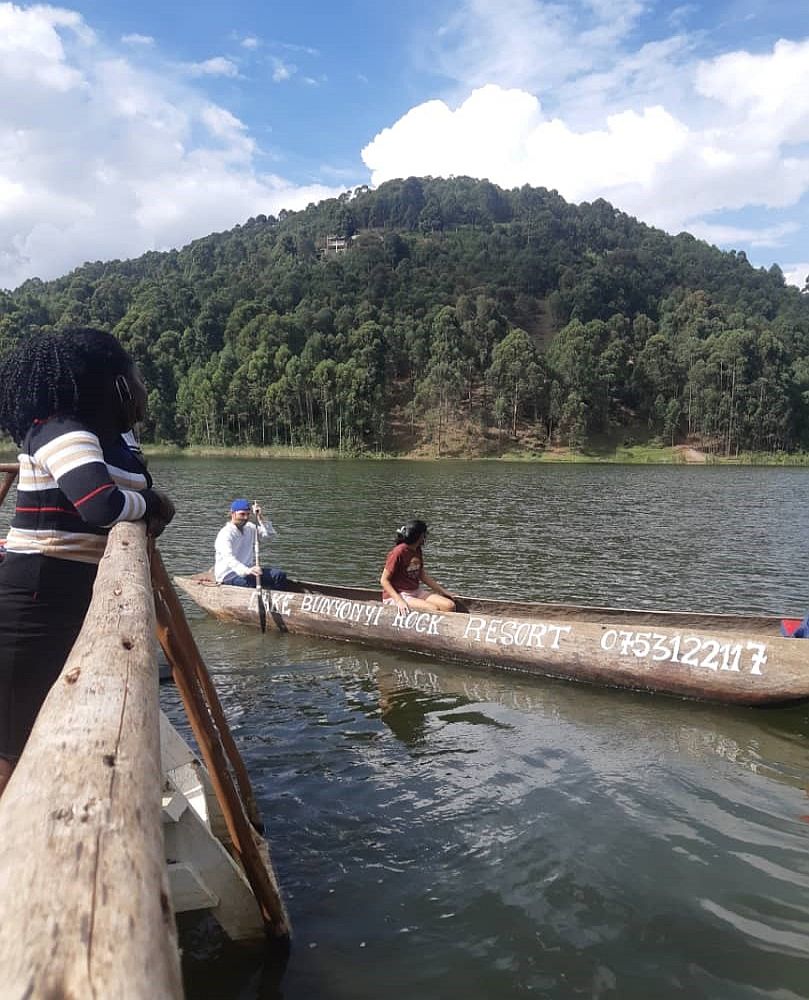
(736, 659)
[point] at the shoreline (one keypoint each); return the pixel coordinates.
(629, 455)
(634, 455)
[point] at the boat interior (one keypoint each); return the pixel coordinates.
(736, 622)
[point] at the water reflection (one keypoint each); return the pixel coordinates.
(771, 742)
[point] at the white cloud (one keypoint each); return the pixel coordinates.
(217, 66)
(145, 40)
(232, 133)
(102, 159)
(250, 42)
(767, 92)
(527, 44)
(733, 137)
(503, 135)
(32, 48)
(307, 50)
(281, 70)
(797, 274)
(769, 236)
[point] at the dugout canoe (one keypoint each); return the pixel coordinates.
(733, 658)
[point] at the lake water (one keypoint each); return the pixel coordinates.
(441, 831)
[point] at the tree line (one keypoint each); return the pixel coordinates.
(456, 303)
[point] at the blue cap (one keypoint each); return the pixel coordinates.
(239, 505)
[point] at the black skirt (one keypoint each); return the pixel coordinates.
(43, 602)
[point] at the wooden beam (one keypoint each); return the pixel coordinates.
(84, 901)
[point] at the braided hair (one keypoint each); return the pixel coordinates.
(69, 373)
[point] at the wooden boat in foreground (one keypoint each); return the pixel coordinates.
(733, 658)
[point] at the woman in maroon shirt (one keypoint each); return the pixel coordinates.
(404, 575)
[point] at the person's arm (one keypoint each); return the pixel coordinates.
(225, 556)
(434, 584)
(391, 591)
(77, 465)
(265, 528)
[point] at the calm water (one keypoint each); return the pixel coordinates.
(445, 832)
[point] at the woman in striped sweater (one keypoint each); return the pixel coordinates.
(66, 398)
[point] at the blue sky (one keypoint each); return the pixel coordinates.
(129, 127)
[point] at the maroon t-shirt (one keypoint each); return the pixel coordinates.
(404, 568)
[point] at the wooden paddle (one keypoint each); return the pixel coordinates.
(262, 611)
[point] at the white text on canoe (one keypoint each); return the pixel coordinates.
(341, 609)
(369, 614)
(274, 601)
(690, 650)
(504, 632)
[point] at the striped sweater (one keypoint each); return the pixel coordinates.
(71, 491)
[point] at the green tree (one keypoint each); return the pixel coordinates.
(517, 375)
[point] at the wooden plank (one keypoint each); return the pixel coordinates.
(174, 805)
(188, 891)
(84, 901)
(181, 764)
(190, 842)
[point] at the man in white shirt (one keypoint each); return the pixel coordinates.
(235, 563)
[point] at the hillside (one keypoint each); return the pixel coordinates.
(444, 312)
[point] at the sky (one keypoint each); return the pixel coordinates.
(132, 127)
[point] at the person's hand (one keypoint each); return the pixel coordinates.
(256, 571)
(257, 511)
(402, 604)
(161, 513)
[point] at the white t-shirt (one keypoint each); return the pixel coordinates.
(235, 549)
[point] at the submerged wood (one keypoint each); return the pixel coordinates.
(84, 902)
(182, 653)
(733, 658)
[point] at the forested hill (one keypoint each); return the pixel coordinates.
(429, 309)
